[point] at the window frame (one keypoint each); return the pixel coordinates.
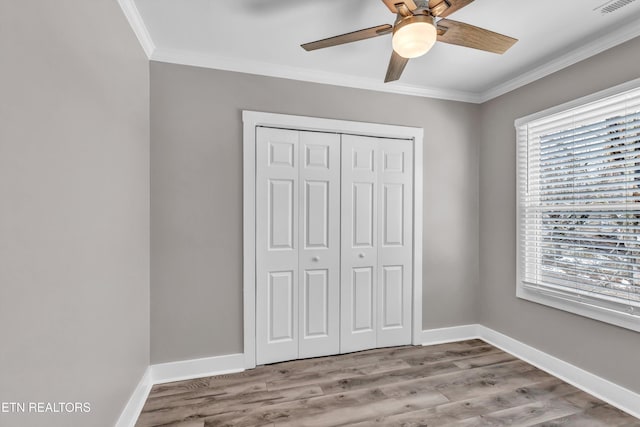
(564, 300)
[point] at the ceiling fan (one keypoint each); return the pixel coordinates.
(415, 31)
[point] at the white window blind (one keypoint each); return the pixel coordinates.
(579, 204)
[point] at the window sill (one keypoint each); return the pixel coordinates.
(613, 317)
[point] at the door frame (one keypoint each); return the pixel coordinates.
(253, 119)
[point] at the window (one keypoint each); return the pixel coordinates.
(579, 206)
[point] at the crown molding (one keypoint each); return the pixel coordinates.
(618, 36)
(197, 59)
(137, 24)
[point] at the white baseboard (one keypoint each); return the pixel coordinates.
(176, 371)
(197, 368)
(611, 393)
(132, 410)
(601, 388)
(447, 335)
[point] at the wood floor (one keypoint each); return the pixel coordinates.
(468, 383)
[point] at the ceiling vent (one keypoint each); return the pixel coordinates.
(612, 6)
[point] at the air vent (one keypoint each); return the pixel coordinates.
(612, 6)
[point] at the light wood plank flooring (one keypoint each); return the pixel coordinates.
(468, 383)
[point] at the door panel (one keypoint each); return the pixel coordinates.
(393, 162)
(316, 214)
(280, 213)
(317, 155)
(316, 310)
(395, 253)
(359, 240)
(393, 215)
(281, 154)
(392, 307)
(362, 214)
(362, 300)
(319, 244)
(280, 306)
(276, 245)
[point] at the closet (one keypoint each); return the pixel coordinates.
(333, 243)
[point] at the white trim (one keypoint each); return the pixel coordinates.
(600, 44)
(628, 320)
(134, 405)
(451, 334)
(581, 308)
(285, 121)
(418, 182)
(137, 24)
(176, 371)
(198, 59)
(252, 119)
(249, 241)
(197, 368)
(601, 388)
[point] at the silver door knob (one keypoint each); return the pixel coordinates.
(315, 258)
(361, 255)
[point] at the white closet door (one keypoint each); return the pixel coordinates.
(395, 242)
(319, 260)
(334, 243)
(277, 213)
(359, 243)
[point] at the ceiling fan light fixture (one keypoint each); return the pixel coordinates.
(414, 36)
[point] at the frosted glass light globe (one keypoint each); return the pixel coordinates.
(414, 36)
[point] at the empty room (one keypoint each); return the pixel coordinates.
(319, 213)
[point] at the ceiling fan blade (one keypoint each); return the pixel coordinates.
(443, 8)
(461, 34)
(396, 67)
(354, 36)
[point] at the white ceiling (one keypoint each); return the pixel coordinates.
(264, 37)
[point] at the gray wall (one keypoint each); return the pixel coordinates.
(74, 209)
(606, 350)
(196, 198)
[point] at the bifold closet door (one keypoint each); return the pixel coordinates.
(277, 201)
(319, 260)
(297, 244)
(359, 244)
(377, 243)
(395, 243)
